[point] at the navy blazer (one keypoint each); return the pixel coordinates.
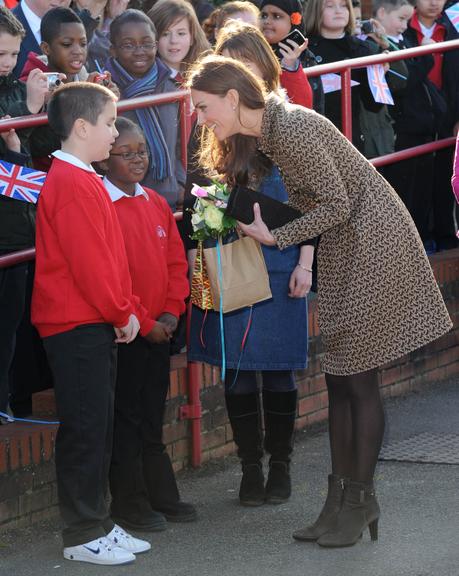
(28, 44)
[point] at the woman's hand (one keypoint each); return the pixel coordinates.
(300, 283)
(291, 53)
(258, 229)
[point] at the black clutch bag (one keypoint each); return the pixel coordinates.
(274, 213)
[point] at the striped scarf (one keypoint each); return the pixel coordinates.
(160, 162)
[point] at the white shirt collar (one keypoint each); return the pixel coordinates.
(33, 20)
(116, 193)
(71, 159)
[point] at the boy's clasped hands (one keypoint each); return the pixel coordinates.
(126, 334)
(162, 330)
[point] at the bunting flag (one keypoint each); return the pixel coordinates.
(20, 183)
(453, 14)
(378, 85)
(332, 82)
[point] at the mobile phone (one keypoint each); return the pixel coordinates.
(366, 27)
(53, 80)
(294, 35)
(103, 78)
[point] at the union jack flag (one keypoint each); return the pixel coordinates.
(453, 14)
(378, 85)
(20, 183)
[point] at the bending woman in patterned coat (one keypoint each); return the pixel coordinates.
(377, 296)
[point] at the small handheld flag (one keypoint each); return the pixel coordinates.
(332, 82)
(20, 183)
(453, 14)
(378, 85)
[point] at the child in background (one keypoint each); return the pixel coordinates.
(82, 298)
(278, 19)
(181, 40)
(142, 481)
(137, 72)
(64, 48)
(17, 218)
(99, 45)
(430, 111)
(390, 18)
(330, 28)
(236, 10)
(247, 44)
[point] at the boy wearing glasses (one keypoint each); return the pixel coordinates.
(137, 72)
(142, 481)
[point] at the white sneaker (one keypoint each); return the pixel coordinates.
(100, 551)
(118, 537)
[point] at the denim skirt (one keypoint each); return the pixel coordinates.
(271, 335)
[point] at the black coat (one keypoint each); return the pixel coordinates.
(334, 50)
(423, 109)
(17, 218)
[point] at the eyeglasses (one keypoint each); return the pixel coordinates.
(143, 154)
(131, 48)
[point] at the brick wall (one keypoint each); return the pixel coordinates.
(27, 483)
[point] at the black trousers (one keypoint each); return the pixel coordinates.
(83, 363)
(141, 390)
(13, 281)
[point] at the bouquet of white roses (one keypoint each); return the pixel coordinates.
(209, 219)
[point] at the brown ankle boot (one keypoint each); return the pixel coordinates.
(329, 513)
(360, 510)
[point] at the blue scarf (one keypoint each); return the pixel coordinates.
(160, 162)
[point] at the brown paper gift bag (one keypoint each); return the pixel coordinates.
(244, 280)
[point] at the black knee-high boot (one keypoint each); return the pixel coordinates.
(243, 413)
(280, 413)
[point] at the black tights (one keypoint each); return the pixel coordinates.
(356, 424)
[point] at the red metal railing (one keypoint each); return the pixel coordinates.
(344, 68)
(193, 410)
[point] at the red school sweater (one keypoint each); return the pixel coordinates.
(155, 252)
(82, 274)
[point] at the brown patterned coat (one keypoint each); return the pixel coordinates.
(377, 296)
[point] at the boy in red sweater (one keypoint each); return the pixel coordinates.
(142, 481)
(82, 298)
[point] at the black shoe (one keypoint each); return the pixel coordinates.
(252, 489)
(279, 485)
(178, 512)
(154, 522)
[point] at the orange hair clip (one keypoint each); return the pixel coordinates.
(295, 18)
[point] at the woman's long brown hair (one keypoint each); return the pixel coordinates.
(236, 158)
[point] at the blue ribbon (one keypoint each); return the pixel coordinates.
(222, 330)
(30, 421)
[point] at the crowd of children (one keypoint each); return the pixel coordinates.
(111, 277)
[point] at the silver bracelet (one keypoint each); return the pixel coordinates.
(304, 268)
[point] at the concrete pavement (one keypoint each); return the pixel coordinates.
(418, 530)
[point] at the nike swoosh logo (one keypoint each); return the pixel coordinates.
(92, 550)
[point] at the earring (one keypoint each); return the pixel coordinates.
(234, 107)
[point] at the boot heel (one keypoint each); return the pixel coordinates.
(373, 527)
